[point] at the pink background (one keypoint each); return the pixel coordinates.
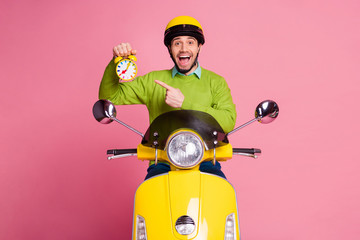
(55, 181)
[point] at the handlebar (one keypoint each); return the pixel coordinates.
(248, 152)
(119, 153)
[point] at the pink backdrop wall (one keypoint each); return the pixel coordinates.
(55, 181)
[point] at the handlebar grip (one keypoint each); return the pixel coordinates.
(121, 151)
(247, 150)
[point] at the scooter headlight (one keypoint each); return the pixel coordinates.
(185, 149)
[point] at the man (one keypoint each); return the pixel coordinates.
(186, 86)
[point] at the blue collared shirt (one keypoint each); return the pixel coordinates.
(197, 72)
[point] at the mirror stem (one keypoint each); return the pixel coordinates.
(127, 126)
(244, 125)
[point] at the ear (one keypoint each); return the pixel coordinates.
(199, 47)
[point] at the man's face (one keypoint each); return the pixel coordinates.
(184, 51)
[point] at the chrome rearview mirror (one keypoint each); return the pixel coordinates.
(266, 112)
(104, 112)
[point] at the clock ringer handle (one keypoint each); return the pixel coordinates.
(131, 57)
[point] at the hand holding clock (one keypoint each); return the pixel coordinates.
(124, 59)
(123, 50)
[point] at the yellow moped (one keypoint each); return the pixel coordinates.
(185, 203)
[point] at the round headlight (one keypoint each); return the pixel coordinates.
(185, 149)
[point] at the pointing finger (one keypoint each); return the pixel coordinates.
(164, 85)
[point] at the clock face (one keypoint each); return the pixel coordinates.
(126, 70)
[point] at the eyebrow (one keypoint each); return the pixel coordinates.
(188, 37)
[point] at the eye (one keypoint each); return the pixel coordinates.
(176, 44)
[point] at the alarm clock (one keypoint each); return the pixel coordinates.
(126, 68)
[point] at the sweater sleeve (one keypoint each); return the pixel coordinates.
(122, 93)
(222, 107)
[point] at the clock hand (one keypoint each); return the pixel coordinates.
(127, 67)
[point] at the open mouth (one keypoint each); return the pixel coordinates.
(184, 60)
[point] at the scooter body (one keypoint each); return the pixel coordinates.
(185, 203)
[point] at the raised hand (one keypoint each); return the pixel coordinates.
(123, 50)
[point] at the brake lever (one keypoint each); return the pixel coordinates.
(246, 155)
(122, 155)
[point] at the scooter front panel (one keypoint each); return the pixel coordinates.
(206, 198)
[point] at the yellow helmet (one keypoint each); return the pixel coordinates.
(183, 26)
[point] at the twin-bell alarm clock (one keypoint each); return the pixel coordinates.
(126, 68)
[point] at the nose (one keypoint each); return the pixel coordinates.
(183, 47)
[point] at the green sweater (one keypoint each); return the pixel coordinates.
(209, 94)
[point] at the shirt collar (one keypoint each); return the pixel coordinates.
(197, 72)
